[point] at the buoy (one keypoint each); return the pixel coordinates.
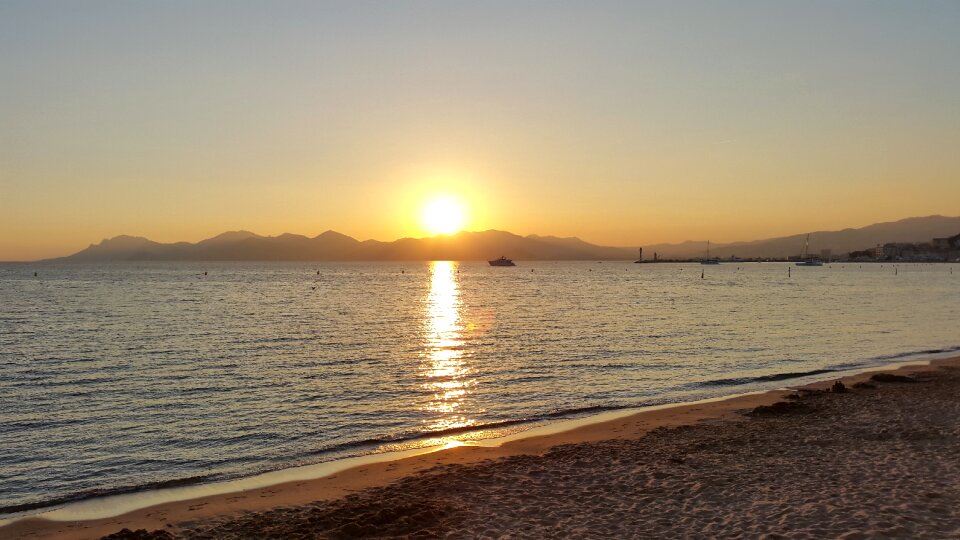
(788, 271)
(34, 274)
(204, 273)
(702, 273)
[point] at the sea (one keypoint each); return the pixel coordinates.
(124, 377)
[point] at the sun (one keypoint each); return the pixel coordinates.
(443, 214)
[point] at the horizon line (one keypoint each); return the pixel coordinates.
(453, 235)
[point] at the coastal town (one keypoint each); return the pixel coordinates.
(936, 250)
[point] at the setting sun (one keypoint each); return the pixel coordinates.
(443, 215)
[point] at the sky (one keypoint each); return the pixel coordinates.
(623, 123)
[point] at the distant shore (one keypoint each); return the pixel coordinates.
(877, 459)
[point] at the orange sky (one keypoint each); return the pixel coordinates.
(621, 124)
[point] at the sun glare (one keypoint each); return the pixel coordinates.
(443, 215)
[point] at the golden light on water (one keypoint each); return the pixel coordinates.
(443, 368)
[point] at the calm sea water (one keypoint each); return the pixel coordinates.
(120, 377)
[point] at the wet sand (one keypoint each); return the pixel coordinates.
(874, 461)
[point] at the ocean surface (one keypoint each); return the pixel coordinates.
(131, 376)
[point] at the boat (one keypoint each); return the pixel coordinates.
(707, 259)
(805, 258)
(502, 261)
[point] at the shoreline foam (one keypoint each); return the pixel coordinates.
(365, 474)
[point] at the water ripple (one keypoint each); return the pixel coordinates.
(133, 376)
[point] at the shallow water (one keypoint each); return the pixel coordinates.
(116, 377)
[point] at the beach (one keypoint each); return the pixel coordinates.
(878, 459)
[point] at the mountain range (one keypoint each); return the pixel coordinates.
(334, 246)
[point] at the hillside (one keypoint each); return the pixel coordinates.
(916, 229)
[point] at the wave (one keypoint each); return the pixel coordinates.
(920, 352)
(103, 492)
(410, 436)
(736, 381)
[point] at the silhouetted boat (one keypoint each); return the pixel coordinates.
(807, 260)
(502, 261)
(708, 260)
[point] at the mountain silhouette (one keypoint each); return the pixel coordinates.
(334, 246)
(485, 245)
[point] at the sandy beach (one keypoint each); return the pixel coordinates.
(877, 459)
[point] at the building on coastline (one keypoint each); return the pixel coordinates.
(897, 250)
(946, 244)
(936, 250)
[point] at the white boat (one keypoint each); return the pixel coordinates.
(502, 261)
(707, 259)
(806, 258)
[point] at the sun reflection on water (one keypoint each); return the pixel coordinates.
(444, 368)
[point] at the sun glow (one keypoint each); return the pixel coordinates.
(443, 215)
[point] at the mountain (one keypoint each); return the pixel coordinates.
(229, 236)
(334, 246)
(121, 247)
(465, 246)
